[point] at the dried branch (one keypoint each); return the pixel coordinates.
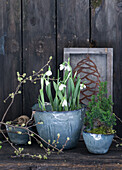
(22, 79)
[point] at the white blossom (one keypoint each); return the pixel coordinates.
(62, 86)
(48, 73)
(64, 103)
(47, 82)
(62, 66)
(82, 86)
(68, 68)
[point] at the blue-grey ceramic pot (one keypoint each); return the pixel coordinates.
(66, 123)
(19, 139)
(97, 143)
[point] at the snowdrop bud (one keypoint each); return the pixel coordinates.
(47, 82)
(68, 68)
(62, 86)
(64, 103)
(48, 73)
(62, 66)
(82, 86)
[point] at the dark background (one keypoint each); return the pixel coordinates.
(33, 30)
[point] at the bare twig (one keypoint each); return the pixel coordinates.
(118, 118)
(35, 77)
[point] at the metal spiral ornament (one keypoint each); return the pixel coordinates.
(90, 76)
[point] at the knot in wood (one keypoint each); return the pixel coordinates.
(13, 45)
(39, 48)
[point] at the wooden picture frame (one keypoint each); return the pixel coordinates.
(102, 57)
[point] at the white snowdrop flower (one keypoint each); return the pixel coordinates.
(62, 86)
(68, 68)
(62, 66)
(48, 73)
(64, 103)
(82, 86)
(47, 82)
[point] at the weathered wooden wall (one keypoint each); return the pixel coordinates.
(10, 53)
(39, 42)
(31, 31)
(106, 31)
(72, 25)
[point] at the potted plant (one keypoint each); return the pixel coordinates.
(16, 130)
(63, 115)
(99, 122)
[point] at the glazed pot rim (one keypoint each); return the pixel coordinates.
(98, 134)
(17, 127)
(56, 112)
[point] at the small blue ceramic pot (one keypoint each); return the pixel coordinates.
(66, 123)
(16, 138)
(97, 143)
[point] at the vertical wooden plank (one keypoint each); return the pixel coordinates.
(72, 25)
(38, 43)
(107, 32)
(10, 52)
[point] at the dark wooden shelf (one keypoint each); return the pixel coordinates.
(77, 158)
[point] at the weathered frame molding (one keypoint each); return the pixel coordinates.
(96, 51)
